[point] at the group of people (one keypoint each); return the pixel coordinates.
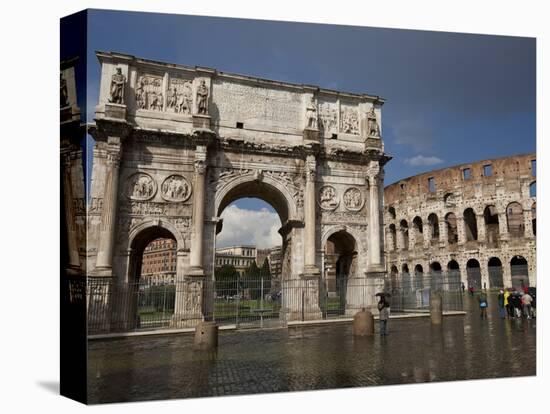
(511, 304)
(516, 304)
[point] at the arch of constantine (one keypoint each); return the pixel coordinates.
(175, 145)
(476, 220)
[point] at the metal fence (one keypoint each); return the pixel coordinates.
(411, 292)
(258, 303)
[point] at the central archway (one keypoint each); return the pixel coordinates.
(288, 296)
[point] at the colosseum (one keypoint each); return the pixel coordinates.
(474, 221)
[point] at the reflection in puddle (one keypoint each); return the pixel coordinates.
(307, 358)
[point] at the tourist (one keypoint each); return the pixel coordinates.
(384, 315)
(471, 290)
(483, 304)
(507, 303)
(463, 287)
(501, 305)
(526, 300)
(516, 304)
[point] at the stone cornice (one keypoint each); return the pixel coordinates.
(104, 128)
(203, 71)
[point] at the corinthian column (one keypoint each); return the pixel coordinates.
(195, 257)
(70, 217)
(375, 261)
(108, 214)
(309, 218)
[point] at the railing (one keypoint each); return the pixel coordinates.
(258, 302)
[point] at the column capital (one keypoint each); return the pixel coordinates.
(200, 159)
(311, 167)
(373, 173)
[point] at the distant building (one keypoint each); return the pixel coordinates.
(158, 265)
(275, 259)
(241, 257)
(261, 255)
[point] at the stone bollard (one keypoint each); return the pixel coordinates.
(363, 323)
(436, 309)
(206, 336)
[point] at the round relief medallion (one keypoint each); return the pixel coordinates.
(353, 199)
(141, 186)
(328, 199)
(175, 188)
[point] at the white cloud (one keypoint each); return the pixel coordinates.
(415, 133)
(252, 227)
(422, 161)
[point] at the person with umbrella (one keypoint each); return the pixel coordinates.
(384, 312)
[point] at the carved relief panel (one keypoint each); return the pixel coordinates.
(180, 96)
(149, 92)
(140, 186)
(353, 199)
(349, 120)
(175, 188)
(328, 118)
(328, 198)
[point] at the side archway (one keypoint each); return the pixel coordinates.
(473, 272)
(520, 272)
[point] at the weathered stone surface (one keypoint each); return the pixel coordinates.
(501, 207)
(206, 336)
(363, 323)
(192, 140)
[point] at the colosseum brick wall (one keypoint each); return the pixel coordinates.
(477, 219)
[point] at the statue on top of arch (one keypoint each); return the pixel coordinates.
(116, 92)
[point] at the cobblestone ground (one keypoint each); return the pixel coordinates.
(311, 358)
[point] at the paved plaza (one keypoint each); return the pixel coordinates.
(313, 358)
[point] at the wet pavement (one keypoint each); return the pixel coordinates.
(312, 358)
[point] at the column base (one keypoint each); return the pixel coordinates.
(376, 268)
(201, 122)
(102, 272)
(195, 271)
(115, 111)
(311, 134)
(311, 271)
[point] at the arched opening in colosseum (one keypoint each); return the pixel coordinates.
(473, 272)
(436, 276)
(392, 237)
(418, 276)
(492, 231)
(495, 273)
(514, 216)
(341, 264)
(391, 212)
(453, 273)
(470, 224)
(418, 231)
(520, 272)
(452, 230)
(534, 218)
(151, 278)
(434, 227)
(404, 230)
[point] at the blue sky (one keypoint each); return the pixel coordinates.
(451, 98)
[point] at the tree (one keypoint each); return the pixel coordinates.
(265, 273)
(226, 278)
